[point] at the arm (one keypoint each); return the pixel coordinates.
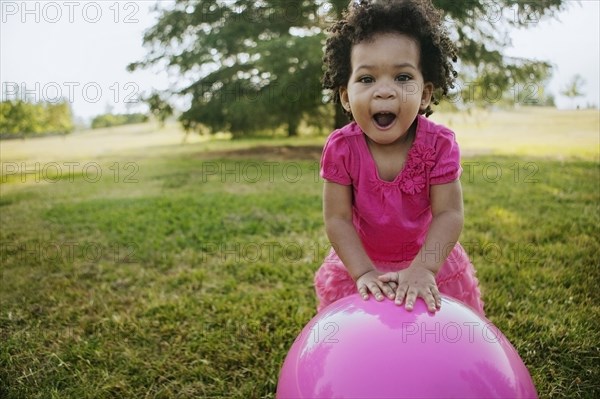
(418, 280)
(446, 225)
(337, 214)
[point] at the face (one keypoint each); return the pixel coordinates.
(386, 89)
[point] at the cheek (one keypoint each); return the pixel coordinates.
(412, 89)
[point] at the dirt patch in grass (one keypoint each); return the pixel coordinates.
(297, 153)
(278, 153)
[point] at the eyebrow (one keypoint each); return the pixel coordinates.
(397, 66)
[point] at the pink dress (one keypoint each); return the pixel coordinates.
(392, 218)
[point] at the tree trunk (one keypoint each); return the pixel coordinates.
(293, 123)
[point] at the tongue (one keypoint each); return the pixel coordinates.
(384, 119)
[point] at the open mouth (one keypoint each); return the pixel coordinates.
(384, 119)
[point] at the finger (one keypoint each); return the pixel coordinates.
(430, 301)
(387, 277)
(364, 292)
(393, 285)
(411, 297)
(376, 291)
(401, 293)
(437, 297)
(388, 290)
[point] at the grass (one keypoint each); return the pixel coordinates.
(185, 271)
(527, 131)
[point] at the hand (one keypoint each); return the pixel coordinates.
(369, 282)
(413, 282)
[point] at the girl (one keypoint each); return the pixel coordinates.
(393, 206)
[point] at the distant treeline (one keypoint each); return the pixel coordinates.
(109, 120)
(20, 118)
(28, 119)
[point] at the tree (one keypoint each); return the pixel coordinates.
(59, 118)
(21, 118)
(159, 108)
(110, 120)
(253, 65)
(574, 88)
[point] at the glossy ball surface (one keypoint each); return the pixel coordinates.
(369, 349)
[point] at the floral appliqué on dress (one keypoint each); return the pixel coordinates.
(420, 160)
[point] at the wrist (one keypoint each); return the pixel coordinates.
(430, 268)
(356, 275)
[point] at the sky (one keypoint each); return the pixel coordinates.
(79, 50)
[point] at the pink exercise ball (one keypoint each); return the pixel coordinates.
(368, 349)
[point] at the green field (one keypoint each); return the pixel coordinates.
(135, 266)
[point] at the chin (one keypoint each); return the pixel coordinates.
(377, 139)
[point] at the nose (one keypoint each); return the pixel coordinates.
(384, 91)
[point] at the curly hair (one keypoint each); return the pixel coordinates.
(417, 19)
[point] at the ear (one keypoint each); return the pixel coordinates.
(344, 99)
(426, 96)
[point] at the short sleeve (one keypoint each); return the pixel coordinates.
(335, 160)
(447, 167)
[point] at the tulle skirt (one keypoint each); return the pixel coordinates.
(456, 278)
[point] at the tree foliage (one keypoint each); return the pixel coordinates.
(110, 120)
(250, 65)
(159, 108)
(480, 29)
(574, 88)
(254, 65)
(21, 118)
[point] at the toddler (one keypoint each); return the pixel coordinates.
(392, 199)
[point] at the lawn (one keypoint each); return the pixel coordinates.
(135, 266)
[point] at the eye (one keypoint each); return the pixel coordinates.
(366, 79)
(403, 77)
